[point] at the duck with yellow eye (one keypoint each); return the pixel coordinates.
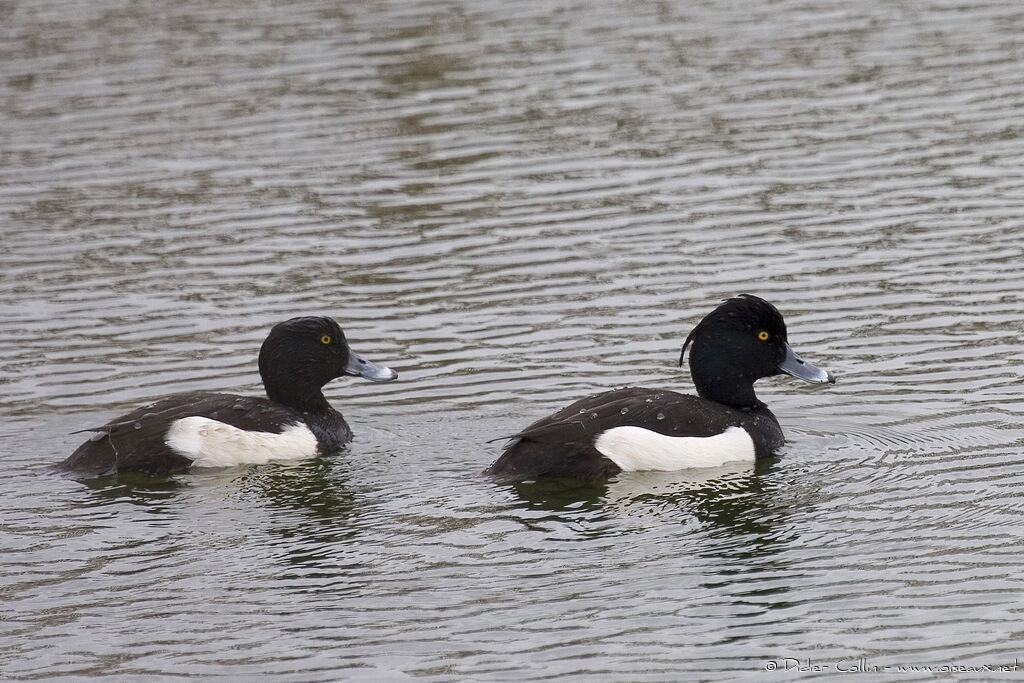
(740, 342)
(202, 429)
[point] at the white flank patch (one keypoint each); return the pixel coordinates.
(636, 448)
(210, 443)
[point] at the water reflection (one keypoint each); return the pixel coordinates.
(312, 514)
(156, 494)
(735, 498)
(556, 494)
(315, 488)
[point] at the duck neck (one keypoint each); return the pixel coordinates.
(743, 398)
(718, 380)
(308, 400)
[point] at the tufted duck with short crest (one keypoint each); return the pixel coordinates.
(203, 429)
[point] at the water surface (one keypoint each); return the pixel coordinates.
(514, 205)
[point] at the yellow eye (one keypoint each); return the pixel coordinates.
(763, 335)
(326, 339)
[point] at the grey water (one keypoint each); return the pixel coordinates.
(515, 205)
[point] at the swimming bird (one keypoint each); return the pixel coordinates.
(203, 429)
(633, 428)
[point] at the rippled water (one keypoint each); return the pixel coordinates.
(514, 204)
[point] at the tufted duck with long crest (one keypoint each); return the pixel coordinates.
(741, 341)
